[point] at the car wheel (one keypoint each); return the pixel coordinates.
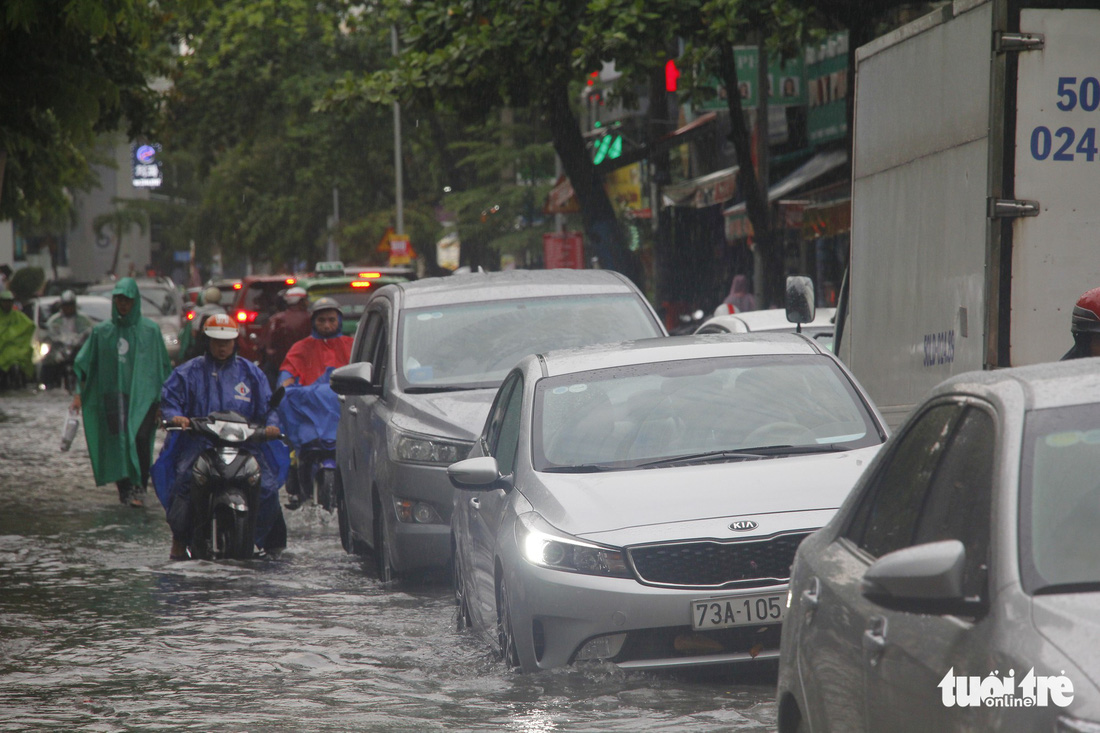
(463, 621)
(381, 549)
(505, 637)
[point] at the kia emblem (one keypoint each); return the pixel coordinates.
(744, 525)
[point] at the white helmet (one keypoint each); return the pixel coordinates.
(212, 296)
(220, 326)
(294, 295)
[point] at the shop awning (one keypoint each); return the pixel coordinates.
(810, 171)
(713, 188)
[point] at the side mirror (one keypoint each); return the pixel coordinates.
(800, 299)
(354, 379)
(921, 579)
(474, 474)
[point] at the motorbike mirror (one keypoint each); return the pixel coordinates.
(277, 397)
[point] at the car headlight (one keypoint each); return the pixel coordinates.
(544, 546)
(428, 449)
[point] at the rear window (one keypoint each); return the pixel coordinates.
(263, 296)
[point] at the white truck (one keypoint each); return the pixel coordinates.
(975, 193)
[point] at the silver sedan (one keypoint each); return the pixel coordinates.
(958, 588)
(641, 504)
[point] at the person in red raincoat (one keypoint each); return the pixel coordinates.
(310, 412)
(326, 347)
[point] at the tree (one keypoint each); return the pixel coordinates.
(627, 32)
(493, 53)
(243, 109)
(124, 217)
(69, 70)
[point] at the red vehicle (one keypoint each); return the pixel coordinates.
(257, 300)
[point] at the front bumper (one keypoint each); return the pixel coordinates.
(556, 613)
(415, 546)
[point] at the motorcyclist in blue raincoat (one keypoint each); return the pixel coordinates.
(219, 380)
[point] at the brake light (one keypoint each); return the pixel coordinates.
(370, 274)
(190, 315)
(236, 286)
(291, 280)
(247, 316)
(361, 284)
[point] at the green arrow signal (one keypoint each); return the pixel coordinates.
(608, 147)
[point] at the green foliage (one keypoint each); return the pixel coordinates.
(69, 70)
(26, 282)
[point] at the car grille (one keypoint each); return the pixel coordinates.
(711, 564)
(671, 643)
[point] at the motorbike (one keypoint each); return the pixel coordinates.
(225, 491)
(316, 474)
(58, 355)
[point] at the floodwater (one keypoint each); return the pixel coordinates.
(99, 631)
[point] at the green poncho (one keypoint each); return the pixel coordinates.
(16, 332)
(121, 369)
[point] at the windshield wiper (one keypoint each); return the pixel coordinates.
(1082, 587)
(580, 468)
(714, 455)
(777, 450)
(441, 388)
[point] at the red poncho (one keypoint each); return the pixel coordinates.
(309, 358)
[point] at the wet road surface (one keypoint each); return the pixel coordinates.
(99, 631)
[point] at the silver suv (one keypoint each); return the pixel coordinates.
(427, 360)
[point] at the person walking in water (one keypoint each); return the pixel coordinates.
(120, 370)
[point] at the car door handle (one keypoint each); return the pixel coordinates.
(352, 409)
(475, 503)
(874, 639)
(811, 597)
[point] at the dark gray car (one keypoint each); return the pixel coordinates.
(958, 588)
(427, 360)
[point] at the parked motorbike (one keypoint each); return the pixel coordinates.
(225, 491)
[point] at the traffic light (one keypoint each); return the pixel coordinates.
(672, 75)
(608, 147)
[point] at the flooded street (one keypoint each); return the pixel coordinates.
(99, 631)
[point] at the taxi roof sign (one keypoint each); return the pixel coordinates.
(334, 266)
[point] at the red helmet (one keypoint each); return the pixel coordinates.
(1086, 313)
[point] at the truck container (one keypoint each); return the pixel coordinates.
(975, 193)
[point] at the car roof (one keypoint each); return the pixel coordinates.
(672, 348)
(1041, 386)
(510, 284)
(773, 319)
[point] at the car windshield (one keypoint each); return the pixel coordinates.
(699, 410)
(1060, 499)
(475, 344)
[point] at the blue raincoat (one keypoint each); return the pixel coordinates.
(310, 414)
(195, 389)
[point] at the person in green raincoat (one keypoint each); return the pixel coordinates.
(120, 371)
(16, 333)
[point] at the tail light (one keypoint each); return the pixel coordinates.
(190, 315)
(244, 316)
(236, 286)
(361, 284)
(370, 275)
(291, 280)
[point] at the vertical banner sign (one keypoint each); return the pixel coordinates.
(827, 89)
(786, 80)
(145, 166)
(1057, 164)
(563, 250)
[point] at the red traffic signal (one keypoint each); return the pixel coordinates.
(672, 75)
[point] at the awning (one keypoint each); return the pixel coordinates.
(811, 170)
(713, 188)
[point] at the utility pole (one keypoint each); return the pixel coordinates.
(400, 195)
(767, 237)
